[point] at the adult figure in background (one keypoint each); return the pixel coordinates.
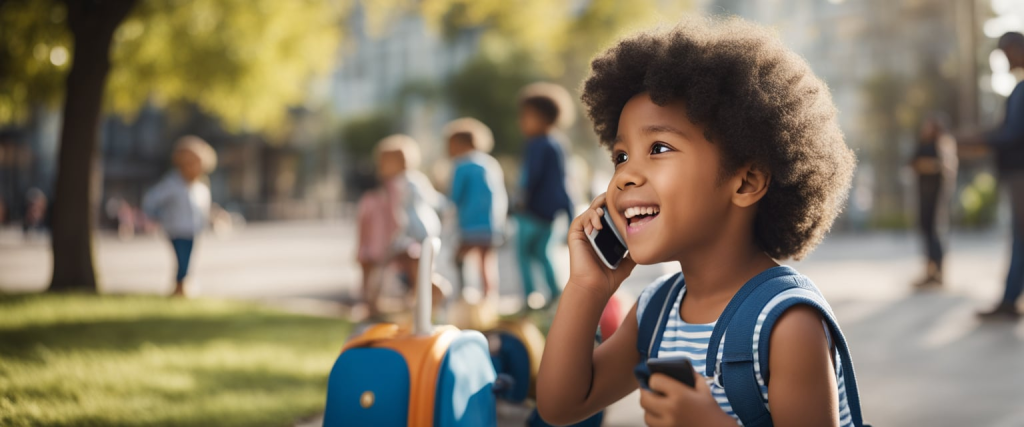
(1007, 141)
(935, 164)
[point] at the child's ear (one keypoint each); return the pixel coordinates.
(751, 185)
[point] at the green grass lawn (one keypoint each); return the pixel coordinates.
(148, 361)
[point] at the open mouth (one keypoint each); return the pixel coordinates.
(640, 215)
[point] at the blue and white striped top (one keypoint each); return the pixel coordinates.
(681, 339)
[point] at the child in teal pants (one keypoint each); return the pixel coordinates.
(542, 108)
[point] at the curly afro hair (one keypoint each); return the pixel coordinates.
(758, 102)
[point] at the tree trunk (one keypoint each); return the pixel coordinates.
(76, 199)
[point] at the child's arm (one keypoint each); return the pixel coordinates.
(458, 186)
(575, 380)
(803, 389)
(154, 199)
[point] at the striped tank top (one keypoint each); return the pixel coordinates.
(681, 339)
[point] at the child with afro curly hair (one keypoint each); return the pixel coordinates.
(728, 157)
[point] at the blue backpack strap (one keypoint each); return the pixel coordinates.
(655, 317)
(738, 376)
(738, 373)
(849, 377)
(734, 305)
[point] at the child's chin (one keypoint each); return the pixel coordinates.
(642, 257)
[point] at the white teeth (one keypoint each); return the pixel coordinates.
(637, 211)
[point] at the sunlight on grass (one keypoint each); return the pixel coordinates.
(147, 361)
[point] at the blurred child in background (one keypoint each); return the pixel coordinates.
(377, 226)
(543, 108)
(478, 192)
(411, 201)
(180, 202)
(35, 212)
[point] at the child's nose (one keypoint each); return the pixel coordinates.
(627, 177)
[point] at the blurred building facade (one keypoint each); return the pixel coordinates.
(398, 72)
(888, 63)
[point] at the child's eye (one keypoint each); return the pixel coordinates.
(659, 148)
(619, 157)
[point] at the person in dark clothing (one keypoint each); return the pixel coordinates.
(35, 220)
(543, 108)
(1008, 143)
(935, 164)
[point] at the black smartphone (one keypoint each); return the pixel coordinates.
(607, 242)
(678, 368)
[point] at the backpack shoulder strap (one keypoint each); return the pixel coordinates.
(734, 305)
(655, 316)
(815, 300)
(738, 374)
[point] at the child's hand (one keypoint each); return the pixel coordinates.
(679, 405)
(585, 268)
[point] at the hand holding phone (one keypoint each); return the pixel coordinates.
(607, 243)
(678, 368)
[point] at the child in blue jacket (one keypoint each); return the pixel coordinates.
(478, 193)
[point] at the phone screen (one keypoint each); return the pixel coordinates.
(608, 243)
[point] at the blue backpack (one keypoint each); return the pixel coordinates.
(740, 318)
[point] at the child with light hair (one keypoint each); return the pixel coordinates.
(478, 193)
(180, 202)
(396, 218)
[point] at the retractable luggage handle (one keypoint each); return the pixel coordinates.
(422, 324)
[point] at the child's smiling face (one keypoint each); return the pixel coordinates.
(666, 195)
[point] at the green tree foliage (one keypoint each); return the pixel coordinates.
(487, 89)
(239, 60)
(360, 134)
(31, 33)
(243, 61)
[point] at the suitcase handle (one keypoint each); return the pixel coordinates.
(424, 289)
